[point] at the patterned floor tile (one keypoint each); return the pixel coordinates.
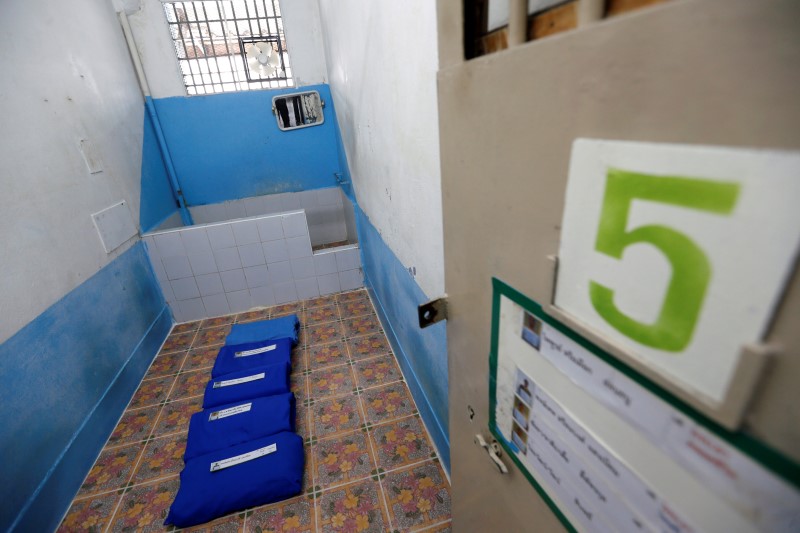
(377, 371)
(178, 341)
(301, 420)
(368, 346)
(190, 384)
(111, 471)
(165, 365)
(252, 316)
(145, 507)
(318, 315)
(332, 381)
(320, 301)
(202, 357)
(217, 321)
(356, 308)
(342, 459)
(308, 469)
(207, 337)
(134, 426)
(161, 457)
(229, 524)
(331, 417)
(354, 507)
(323, 333)
(417, 496)
(352, 296)
(299, 386)
(286, 309)
(362, 325)
(386, 403)
(401, 443)
(186, 327)
(290, 516)
(299, 359)
(324, 355)
(175, 416)
(91, 515)
(152, 392)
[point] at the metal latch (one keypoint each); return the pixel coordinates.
(432, 312)
(494, 452)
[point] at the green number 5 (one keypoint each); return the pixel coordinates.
(691, 270)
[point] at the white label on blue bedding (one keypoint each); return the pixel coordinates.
(249, 456)
(256, 351)
(230, 411)
(238, 381)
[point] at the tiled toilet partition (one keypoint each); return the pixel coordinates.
(229, 267)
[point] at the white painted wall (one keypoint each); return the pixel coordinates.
(150, 30)
(67, 76)
(382, 62)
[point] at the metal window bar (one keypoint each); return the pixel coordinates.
(214, 62)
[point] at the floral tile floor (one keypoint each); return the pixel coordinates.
(370, 465)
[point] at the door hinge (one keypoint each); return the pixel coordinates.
(432, 312)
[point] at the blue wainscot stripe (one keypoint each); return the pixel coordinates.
(66, 379)
(228, 146)
(422, 353)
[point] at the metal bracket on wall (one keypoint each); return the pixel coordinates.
(432, 312)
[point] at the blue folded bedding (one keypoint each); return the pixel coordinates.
(255, 382)
(250, 474)
(235, 357)
(265, 330)
(231, 424)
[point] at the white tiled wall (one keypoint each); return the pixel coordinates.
(229, 267)
(325, 212)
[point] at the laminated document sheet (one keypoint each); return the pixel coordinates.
(236, 357)
(243, 421)
(236, 478)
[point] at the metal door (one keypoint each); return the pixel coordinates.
(713, 72)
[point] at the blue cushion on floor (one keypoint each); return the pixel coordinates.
(265, 330)
(246, 384)
(227, 425)
(235, 357)
(205, 495)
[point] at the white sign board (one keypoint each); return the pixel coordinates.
(678, 254)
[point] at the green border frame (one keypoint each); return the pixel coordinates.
(771, 459)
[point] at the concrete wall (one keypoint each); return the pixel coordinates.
(68, 376)
(382, 63)
(149, 25)
(228, 146)
(61, 84)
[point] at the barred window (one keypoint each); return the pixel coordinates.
(229, 45)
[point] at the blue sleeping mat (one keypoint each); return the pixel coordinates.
(250, 474)
(265, 330)
(235, 357)
(228, 425)
(246, 384)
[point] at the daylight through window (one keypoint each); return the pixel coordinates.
(229, 45)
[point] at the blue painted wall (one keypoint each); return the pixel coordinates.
(228, 146)
(66, 379)
(422, 353)
(156, 201)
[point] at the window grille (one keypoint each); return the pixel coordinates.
(212, 38)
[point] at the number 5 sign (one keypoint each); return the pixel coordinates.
(678, 254)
